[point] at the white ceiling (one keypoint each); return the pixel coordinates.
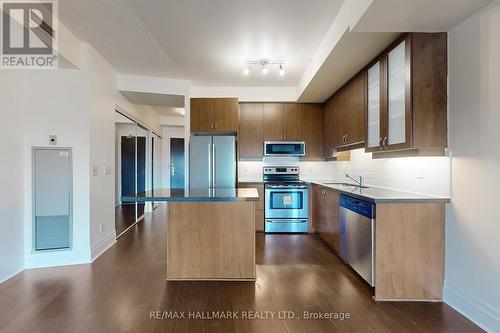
(208, 41)
(204, 41)
(142, 98)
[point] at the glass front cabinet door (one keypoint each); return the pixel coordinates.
(388, 96)
(374, 128)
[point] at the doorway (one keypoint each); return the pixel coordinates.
(176, 162)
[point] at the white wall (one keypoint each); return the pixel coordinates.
(428, 175)
(249, 94)
(472, 223)
(101, 80)
(53, 102)
(12, 180)
(251, 171)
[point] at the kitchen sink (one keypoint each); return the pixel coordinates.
(346, 185)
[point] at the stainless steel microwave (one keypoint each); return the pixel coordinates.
(284, 148)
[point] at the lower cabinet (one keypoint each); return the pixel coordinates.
(259, 205)
(326, 215)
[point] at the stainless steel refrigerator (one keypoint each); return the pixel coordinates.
(212, 161)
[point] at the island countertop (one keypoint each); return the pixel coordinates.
(195, 195)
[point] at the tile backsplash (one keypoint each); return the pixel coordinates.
(429, 175)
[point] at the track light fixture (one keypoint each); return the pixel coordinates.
(264, 66)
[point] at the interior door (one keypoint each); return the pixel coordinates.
(128, 174)
(176, 162)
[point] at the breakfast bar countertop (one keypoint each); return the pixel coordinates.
(195, 195)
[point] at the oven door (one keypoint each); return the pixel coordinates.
(286, 203)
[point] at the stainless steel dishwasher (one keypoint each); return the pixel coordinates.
(357, 236)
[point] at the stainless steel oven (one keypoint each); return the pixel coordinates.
(286, 200)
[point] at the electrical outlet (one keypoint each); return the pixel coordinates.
(107, 170)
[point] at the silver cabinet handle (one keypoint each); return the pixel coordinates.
(215, 126)
(380, 143)
(346, 136)
(384, 143)
(172, 170)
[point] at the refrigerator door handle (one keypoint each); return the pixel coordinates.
(214, 167)
(210, 171)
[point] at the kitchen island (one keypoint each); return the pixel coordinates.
(210, 232)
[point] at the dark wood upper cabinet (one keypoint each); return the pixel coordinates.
(344, 117)
(273, 121)
(407, 95)
(328, 135)
(292, 122)
(349, 114)
(202, 116)
(259, 122)
(225, 114)
(312, 130)
(214, 114)
(356, 121)
(251, 130)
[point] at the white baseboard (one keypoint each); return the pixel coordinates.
(57, 258)
(9, 273)
(482, 314)
(103, 244)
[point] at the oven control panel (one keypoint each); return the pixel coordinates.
(274, 170)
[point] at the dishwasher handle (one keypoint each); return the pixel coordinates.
(361, 207)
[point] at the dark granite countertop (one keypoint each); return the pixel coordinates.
(195, 195)
(382, 195)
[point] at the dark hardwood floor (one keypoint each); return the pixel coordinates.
(295, 273)
(124, 217)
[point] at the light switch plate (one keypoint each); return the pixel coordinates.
(94, 170)
(52, 140)
(107, 170)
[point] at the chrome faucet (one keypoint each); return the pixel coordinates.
(361, 181)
